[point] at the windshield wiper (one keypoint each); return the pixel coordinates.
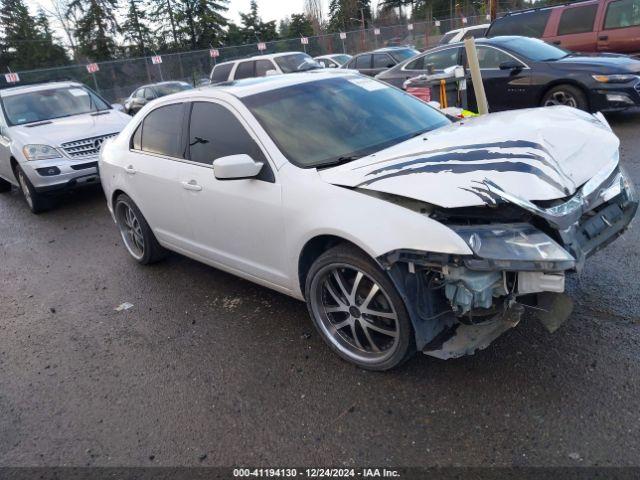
(338, 161)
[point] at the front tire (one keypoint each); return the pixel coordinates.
(567, 95)
(357, 310)
(4, 186)
(136, 234)
(37, 202)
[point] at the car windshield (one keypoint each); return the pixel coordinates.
(403, 54)
(341, 59)
(336, 120)
(52, 103)
(296, 62)
(534, 49)
(169, 88)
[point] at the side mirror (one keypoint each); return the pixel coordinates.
(117, 107)
(391, 65)
(511, 65)
(270, 73)
(332, 65)
(236, 167)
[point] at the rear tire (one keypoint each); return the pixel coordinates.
(568, 95)
(357, 310)
(4, 186)
(37, 202)
(136, 233)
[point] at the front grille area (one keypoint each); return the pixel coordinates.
(86, 147)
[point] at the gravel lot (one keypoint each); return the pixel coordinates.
(208, 369)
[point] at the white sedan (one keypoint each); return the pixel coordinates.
(401, 230)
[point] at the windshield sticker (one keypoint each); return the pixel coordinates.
(368, 84)
(78, 92)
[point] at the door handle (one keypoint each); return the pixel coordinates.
(130, 170)
(191, 185)
(603, 37)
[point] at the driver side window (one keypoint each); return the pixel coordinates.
(214, 132)
(491, 58)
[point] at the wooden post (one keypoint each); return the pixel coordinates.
(476, 76)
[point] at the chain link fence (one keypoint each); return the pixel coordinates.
(116, 79)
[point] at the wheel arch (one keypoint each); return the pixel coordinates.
(316, 246)
(566, 81)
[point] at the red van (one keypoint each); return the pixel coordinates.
(585, 26)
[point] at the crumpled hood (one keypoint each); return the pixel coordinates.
(76, 127)
(536, 154)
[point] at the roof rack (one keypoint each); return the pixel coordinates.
(546, 7)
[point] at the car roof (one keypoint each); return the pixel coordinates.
(168, 82)
(266, 56)
(250, 86)
(466, 29)
(38, 87)
(330, 55)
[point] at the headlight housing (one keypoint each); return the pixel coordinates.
(40, 152)
(513, 246)
(617, 78)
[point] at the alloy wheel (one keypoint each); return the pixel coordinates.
(130, 230)
(561, 97)
(355, 313)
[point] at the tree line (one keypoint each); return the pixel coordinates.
(99, 30)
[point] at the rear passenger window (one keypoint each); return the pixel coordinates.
(221, 72)
(382, 61)
(215, 132)
(475, 33)
(492, 58)
(263, 66)
(577, 20)
(417, 64)
(529, 24)
(244, 70)
(363, 61)
(162, 131)
(622, 13)
(442, 58)
(136, 140)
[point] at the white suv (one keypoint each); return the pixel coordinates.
(50, 136)
(263, 65)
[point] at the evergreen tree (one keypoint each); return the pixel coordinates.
(283, 27)
(27, 41)
(164, 14)
(300, 26)
(346, 14)
(135, 29)
(254, 29)
(202, 21)
(97, 28)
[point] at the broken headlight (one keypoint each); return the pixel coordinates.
(513, 246)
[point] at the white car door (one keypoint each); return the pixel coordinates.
(237, 223)
(5, 150)
(152, 173)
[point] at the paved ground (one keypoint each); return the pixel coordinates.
(207, 364)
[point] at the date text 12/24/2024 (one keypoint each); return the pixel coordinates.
(316, 472)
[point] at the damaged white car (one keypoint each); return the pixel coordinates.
(401, 230)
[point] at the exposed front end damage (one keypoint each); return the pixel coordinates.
(522, 252)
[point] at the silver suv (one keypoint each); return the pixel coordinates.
(50, 137)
